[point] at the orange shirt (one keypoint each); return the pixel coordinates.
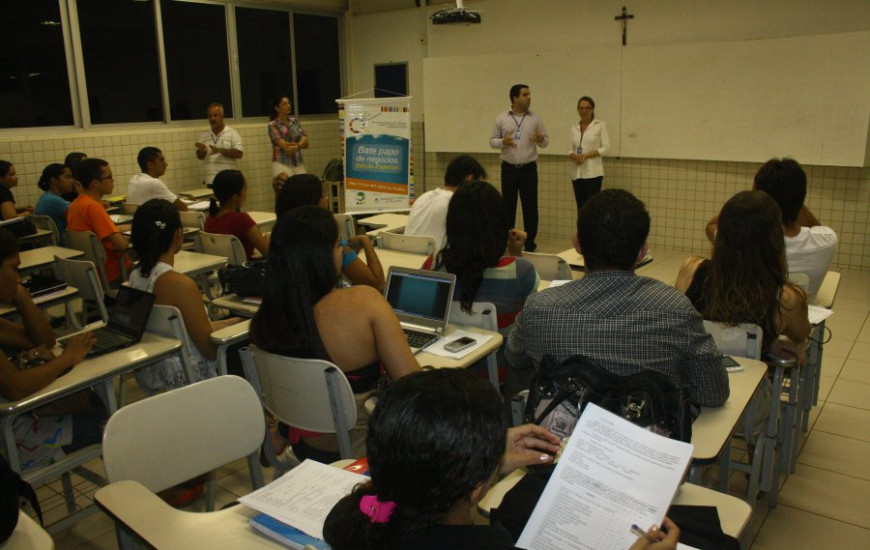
(87, 214)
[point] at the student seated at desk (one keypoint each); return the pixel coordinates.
(746, 280)
(478, 233)
(435, 445)
(307, 190)
(157, 238)
(225, 214)
(304, 315)
(8, 180)
(87, 213)
(42, 436)
(56, 181)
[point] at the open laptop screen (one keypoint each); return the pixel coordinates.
(131, 311)
(420, 295)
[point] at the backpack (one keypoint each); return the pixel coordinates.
(650, 399)
(12, 488)
(334, 171)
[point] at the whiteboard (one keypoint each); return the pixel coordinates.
(462, 95)
(806, 97)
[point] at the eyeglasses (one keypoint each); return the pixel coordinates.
(109, 177)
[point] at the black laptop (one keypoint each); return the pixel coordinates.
(127, 321)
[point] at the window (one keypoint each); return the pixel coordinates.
(265, 68)
(197, 61)
(119, 48)
(318, 74)
(34, 82)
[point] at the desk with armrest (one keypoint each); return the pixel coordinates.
(388, 221)
(43, 257)
(44, 301)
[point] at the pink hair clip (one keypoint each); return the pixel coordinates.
(378, 511)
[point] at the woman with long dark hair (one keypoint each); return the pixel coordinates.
(746, 279)
(307, 190)
(157, 237)
(8, 180)
(304, 315)
(484, 253)
(225, 214)
(434, 446)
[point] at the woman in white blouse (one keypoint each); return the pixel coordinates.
(589, 142)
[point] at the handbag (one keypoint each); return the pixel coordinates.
(649, 399)
(248, 279)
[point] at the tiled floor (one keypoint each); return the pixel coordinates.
(824, 504)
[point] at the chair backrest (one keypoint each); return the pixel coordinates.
(174, 436)
(167, 321)
(549, 266)
(309, 394)
(743, 340)
(87, 242)
(227, 246)
(483, 315)
(46, 223)
(83, 275)
(129, 208)
(346, 226)
(192, 218)
(418, 244)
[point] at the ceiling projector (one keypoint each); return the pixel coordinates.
(458, 15)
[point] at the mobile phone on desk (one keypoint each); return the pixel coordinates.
(460, 344)
(730, 364)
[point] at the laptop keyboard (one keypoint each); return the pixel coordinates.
(107, 339)
(419, 339)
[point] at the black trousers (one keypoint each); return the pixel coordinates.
(522, 180)
(585, 188)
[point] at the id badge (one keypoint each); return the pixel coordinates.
(517, 134)
(579, 149)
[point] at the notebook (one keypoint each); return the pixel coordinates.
(127, 321)
(421, 299)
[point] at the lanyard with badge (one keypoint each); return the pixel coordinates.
(517, 134)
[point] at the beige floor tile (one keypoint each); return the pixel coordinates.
(860, 351)
(109, 541)
(825, 385)
(838, 347)
(790, 528)
(828, 494)
(832, 365)
(846, 324)
(856, 370)
(853, 394)
(853, 303)
(846, 421)
(83, 533)
(237, 483)
(864, 335)
(837, 453)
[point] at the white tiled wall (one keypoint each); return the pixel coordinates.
(680, 195)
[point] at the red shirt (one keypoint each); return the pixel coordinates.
(233, 223)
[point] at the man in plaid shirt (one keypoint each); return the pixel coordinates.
(625, 322)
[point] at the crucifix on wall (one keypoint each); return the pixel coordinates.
(624, 17)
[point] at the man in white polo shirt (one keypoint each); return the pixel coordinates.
(220, 148)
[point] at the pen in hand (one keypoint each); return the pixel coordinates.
(638, 532)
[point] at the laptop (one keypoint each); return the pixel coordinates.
(421, 300)
(127, 321)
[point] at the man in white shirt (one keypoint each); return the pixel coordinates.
(220, 148)
(809, 245)
(146, 185)
(429, 213)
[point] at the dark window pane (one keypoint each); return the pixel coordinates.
(34, 82)
(197, 63)
(119, 46)
(264, 58)
(318, 73)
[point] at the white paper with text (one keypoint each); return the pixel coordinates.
(304, 496)
(612, 474)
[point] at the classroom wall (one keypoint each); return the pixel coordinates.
(681, 194)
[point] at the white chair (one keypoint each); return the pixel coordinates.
(776, 442)
(309, 394)
(192, 218)
(169, 438)
(417, 244)
(346, 226)
(46, 223)
(227, 246)
(483, 315)
(83, 276)
(87, 242)
(549, 266)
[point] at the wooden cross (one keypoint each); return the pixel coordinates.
(624, 18)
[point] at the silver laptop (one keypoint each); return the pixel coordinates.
(422, 300)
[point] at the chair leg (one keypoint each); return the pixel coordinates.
(68, 493)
